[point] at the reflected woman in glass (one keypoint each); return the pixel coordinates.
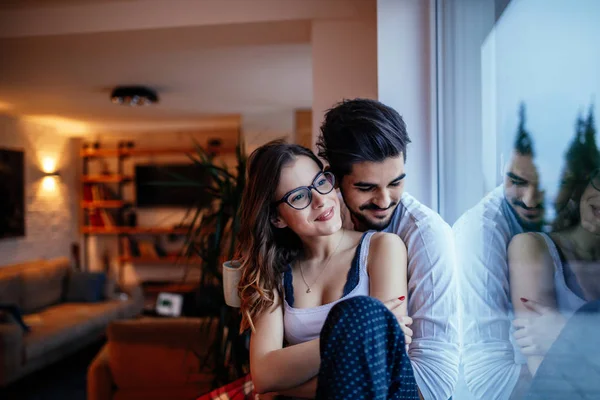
(553, 275)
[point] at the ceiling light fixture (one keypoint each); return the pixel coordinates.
(133, 96)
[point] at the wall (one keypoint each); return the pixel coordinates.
(344, 61)
(260, 128)
(404, 71)
(51, 215)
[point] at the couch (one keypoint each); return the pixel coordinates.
(154, 358)
(57, 328)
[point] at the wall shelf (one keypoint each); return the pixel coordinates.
(179, 260)
(139, 152)
(103, 204)
(113, 178)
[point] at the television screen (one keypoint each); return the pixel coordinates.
(164, 185)
(12, 194)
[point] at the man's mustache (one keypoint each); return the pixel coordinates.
(376, 208)
(519, 203)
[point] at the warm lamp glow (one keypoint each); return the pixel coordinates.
(65, 126)
(5, 106)
(49, 183)
(49, 165)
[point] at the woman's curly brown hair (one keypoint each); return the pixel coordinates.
(264, 250)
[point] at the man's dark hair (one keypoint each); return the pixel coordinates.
(361, 130)
(523, 142)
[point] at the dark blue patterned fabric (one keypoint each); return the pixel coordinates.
(351, 280)
(363, 354)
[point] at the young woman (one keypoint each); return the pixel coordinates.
(304, 286)
(553, 275)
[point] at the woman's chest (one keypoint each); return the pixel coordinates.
(587, 274)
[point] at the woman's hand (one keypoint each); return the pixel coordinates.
(536, 333)
(404, 320)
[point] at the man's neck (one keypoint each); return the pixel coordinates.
(524, 225)
(358, 225)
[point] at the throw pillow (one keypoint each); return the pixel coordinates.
(86, 287)
(12, 312)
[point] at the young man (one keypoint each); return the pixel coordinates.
(364, 143)
(493, 368)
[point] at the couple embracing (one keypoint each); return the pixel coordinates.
(348, 282)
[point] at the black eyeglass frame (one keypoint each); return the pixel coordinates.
(328, 175)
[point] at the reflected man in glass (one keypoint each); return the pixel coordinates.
(482, 236)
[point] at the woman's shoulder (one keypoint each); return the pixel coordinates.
(530, 246)
(528, 240)
(384, 241)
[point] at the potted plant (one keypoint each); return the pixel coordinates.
(211, 236)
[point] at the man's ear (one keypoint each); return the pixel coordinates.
(278, 222)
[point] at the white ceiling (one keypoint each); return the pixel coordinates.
(197, 71)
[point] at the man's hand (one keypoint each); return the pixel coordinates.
(404, 320)
(539, 331)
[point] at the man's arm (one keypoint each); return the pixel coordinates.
(488, 357)
(433, 302)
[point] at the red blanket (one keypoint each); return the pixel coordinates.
(242, 389)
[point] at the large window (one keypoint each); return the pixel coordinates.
(519, 96)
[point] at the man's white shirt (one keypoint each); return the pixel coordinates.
(488, 359)
(432, 296)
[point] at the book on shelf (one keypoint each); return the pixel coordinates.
(126, 245)
(94, 218)
(133, 247)
(88, 193)
(147, 249)
(159, 250)
(98, 192)
(107, 219)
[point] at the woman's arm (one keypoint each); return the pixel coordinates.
(387, 269)
(531, 272)
(387, 281)
(307, 390)
(273, 367)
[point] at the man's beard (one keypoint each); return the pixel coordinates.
(528, 225)
(368, 223)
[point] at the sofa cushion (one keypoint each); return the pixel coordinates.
(22, 266)
(87, 287)
(11, 286)
(98, 315)
(11, 313)
(49, 331)
(43, 285)
(61, 324)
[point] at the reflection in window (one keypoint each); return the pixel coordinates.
(520, 92)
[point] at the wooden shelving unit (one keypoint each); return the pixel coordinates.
(118, 205)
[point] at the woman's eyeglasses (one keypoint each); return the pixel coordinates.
(301, 197)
